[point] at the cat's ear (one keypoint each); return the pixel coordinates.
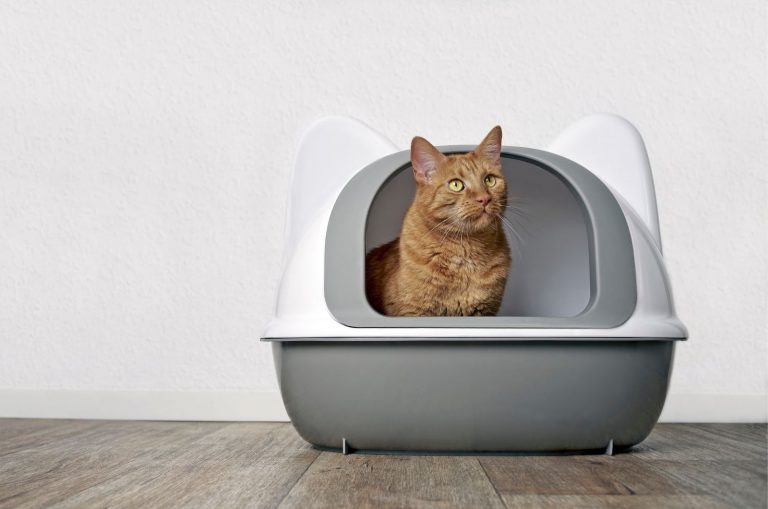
(490, 147)
(425, 159)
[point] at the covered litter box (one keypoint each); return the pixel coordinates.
(580, 354)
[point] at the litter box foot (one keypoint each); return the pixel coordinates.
(345, 448)
(609, 448)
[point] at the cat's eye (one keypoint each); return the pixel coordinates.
(490, 181)
(456, 185)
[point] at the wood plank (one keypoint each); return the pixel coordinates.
(16, 440)
(677, 462)
(686, 442)
(741, 431)
(366, 480)
(76, 457)
(575, 475)
(735, 483)
(240, 465)
(612, 501)
(12, 428)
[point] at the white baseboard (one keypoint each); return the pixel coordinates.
(143, 405)
(749, 407)
(268, 406)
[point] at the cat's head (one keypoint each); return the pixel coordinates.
(461, 192)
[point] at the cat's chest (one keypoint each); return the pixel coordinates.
(461, 264)
(458, 278)
(464, 286)
(455, 269)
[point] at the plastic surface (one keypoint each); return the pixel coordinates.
(611, 269)
(330, 153)
(580, 387)
(614, 151)
(301, 310)
(474, 395)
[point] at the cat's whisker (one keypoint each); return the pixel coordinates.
(521, 224)
(517, 205)
(462, 227)
(448, 231)
(518, 213)
(506, 222)
(518, 199)
(439, 224)
(442, 239)
(518, 210)
(452, 230)
(511, 227)
(516, 246)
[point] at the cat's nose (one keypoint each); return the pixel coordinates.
(483, 199)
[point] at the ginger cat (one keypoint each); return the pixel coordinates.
(452, 258)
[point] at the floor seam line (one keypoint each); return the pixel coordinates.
(482, 467)
(298, 479)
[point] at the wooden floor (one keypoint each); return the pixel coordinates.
(46, 463)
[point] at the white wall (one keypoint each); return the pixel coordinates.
(145, 150)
